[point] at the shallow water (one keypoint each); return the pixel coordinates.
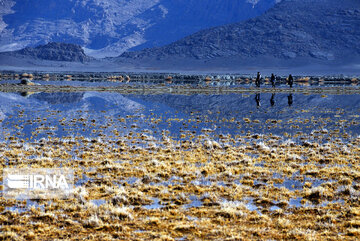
(92, 114)
(275, 156)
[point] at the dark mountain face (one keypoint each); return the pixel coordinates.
(184, 18)
(294, 29)
(55, 52)
(110, 27)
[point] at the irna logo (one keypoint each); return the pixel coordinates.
(37, 181)
(41, 183)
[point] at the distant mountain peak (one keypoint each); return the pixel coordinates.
(55, 51)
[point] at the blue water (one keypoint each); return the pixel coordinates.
(42, 115)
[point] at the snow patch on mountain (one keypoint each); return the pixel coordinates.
(5, 8)
(253, 2)
(164, 10)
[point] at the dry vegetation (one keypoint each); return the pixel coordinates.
(252, 187)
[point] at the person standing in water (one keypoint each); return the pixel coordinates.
(258, 78)
(290, 81)
(272, 80)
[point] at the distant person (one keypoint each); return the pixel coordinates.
(258, 78)
(272, 99)
(272, 80)
(290, 81)
(257, 99)
(290, 100)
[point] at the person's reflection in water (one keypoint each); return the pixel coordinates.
(24, 94)
(272, 99)
(290, 100)
(257, 99)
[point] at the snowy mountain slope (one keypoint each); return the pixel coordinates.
(110, 27)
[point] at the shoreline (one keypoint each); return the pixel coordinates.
(162, 76)
(179, 89)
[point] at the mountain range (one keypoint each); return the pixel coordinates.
(110, 27)
(306, 36)
(294, 31)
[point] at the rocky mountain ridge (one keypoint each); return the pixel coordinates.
(54, 52)
(320, 30)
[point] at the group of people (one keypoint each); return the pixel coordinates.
(290, 80)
